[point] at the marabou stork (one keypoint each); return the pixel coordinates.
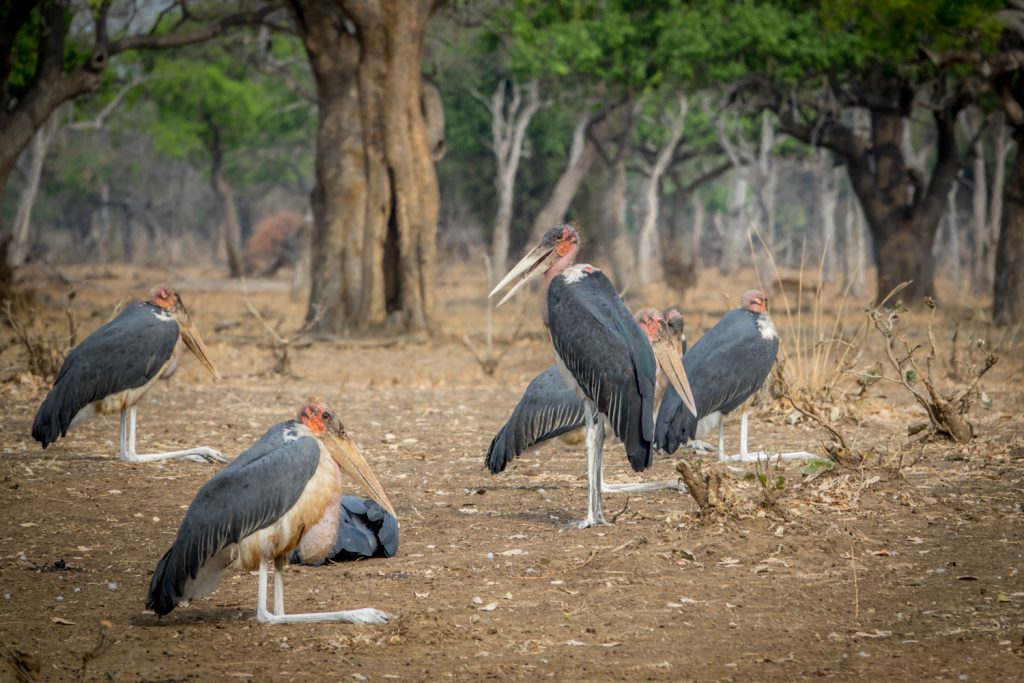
(114, 367)
(551, 407)
(600, 348)
(282, 494)
(365, 529)
(727, 366)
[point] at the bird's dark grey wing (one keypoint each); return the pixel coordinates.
(596, 337)
(126, 353)
(549, 407)
(249, 494)
(365, 529)
(725, 367)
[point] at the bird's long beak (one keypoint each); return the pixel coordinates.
(194, 341)
(352, 462)
(668, 351)
(527, 267)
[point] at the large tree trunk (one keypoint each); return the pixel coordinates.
(901, 210)
(582, 154)
(1008, 293)
(376, 201)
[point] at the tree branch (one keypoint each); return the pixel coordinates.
(219, 27)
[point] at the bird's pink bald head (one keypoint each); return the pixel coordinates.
(755, 301)
(165, 297)
(651, 322)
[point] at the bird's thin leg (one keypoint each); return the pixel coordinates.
(721, 437)
(262, 615)
(279, 586)
(743, 434)
(595, 441)
(122, 446)
(760, 456)
(367, 615)
(198, 454)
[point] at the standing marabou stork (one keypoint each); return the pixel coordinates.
(282, 494)
(600, 348)
(114, 367)
(727, 366)
(551, 407)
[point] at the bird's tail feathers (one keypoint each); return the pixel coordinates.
(175, 579)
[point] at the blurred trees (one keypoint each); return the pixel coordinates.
(831, 126)
(46, 60)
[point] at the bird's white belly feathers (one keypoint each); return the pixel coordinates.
(115, 403)
(322, 492)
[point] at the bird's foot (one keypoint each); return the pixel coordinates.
(765, 457)
(668, 484)
(366, 615)
(206, 455)
(701, 446)
(590, 521)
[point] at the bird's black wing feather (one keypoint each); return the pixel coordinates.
(725, 367)
(252, 492)
(365, 529)
(549, 407)
(599, 342)
(126, 353)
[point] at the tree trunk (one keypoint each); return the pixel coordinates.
(901, 210)
(582, 154)
(18, 249)
(510, 117)
(376, 201)
(614, 233)
(854, 250)
(649, 247)
(827, 200)
(227, 209)
(735, 224)
(981, 280)
(1008, 293)
(1001, 144)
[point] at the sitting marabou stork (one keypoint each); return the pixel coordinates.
(727, 366)
(282, 494)
(550, 406)
(114, 367)
(600, 348)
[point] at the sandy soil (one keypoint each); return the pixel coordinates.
(909, 568)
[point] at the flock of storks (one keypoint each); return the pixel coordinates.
(281, 500)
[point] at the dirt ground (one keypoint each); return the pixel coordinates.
(909, 568)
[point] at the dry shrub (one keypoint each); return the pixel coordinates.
(946, 410)
(44, 347)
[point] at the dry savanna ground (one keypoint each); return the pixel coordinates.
(910, 567)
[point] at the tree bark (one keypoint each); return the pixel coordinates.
(1008, 293)
(376, 202)
(582, 154)
(649, 247)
